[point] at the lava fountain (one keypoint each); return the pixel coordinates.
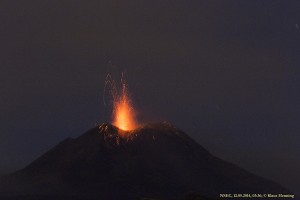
(123, 114)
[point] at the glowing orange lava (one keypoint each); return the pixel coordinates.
(123, 112)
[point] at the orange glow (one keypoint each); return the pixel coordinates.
(123, 112)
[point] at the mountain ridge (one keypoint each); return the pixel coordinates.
(156, 160)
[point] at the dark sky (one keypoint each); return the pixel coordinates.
(225, 72)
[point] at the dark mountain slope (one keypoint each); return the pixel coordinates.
(156, 160)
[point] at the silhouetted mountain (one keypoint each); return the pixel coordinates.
(155, 160)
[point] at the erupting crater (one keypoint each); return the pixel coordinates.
(123, 113)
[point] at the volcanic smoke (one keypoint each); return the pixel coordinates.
(123, 114)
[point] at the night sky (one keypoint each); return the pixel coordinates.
(225, 72)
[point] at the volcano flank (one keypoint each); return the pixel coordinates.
(154, 161)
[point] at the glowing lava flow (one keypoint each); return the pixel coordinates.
(123, 112)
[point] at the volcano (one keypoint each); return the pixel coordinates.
(153, 161)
